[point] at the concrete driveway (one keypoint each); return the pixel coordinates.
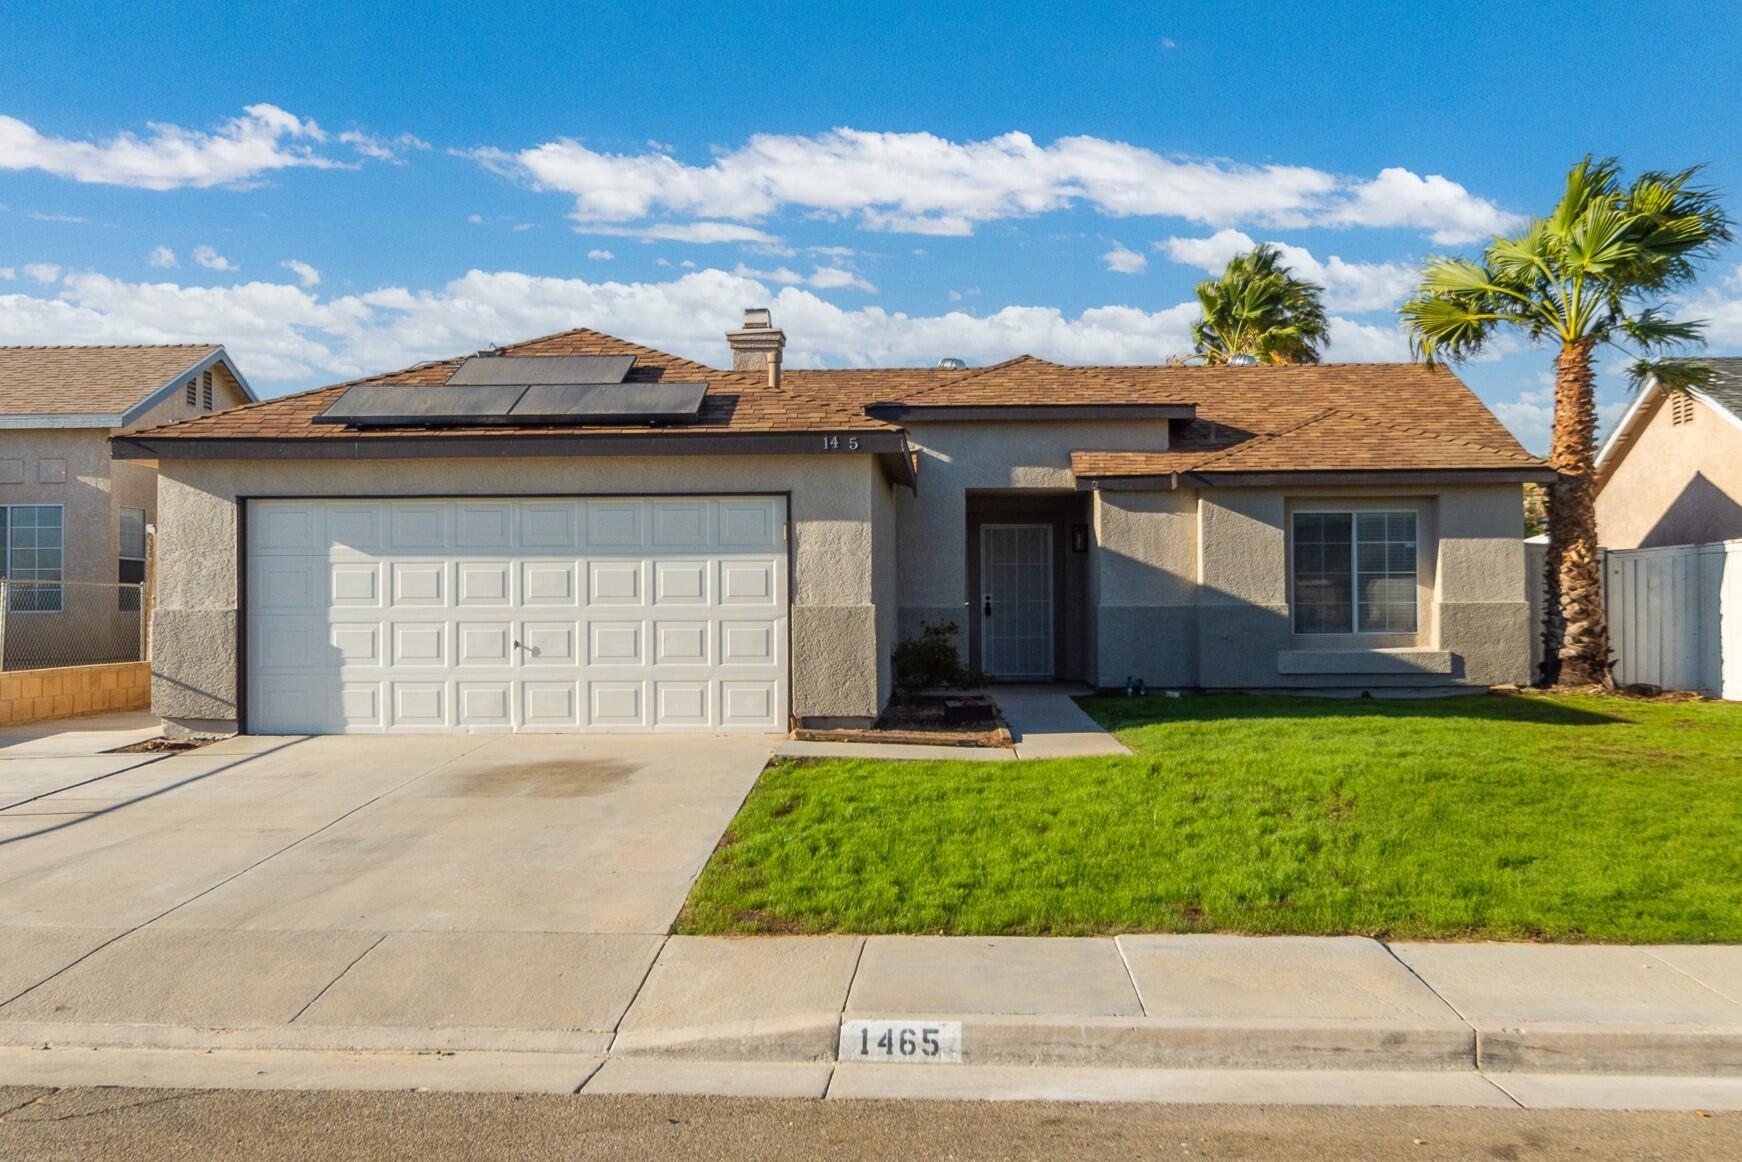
(347, 891)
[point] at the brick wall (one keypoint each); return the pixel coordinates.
(39, 695)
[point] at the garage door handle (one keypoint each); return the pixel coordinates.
(517, 643)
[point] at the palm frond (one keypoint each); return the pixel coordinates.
(1673, 374)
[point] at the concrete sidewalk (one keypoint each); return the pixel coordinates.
(1341, 1020)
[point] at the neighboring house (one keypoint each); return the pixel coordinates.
(579, 533)
(1671, 471)
(72, 521)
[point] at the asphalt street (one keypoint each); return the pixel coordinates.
(166, 1125)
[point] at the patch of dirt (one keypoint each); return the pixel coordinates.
(568, 779)
(163, 746)
(920, 722)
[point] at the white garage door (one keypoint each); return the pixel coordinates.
(494, 614)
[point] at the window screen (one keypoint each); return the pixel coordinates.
(33, 557)
(130, 569)
(1323, 584)
(1355, 572)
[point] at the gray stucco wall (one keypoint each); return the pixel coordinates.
(1146, 565)
(1473, 610)
(958, 457)
(839, 636)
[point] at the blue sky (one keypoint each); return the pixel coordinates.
(332, 191)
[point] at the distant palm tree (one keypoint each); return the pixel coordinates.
(1577, 278)
(1259, 309)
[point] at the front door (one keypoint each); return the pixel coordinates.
(1016, 600)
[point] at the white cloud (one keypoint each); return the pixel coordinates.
(923, 183)
(284, 333)
(264, 138)
(1530, 416)
(390, 149)
(39, 216)
(43, 272)
(830, 277)
(1124, 261)
(1349, 286)
(823, 277)
(305, 274)
(211, 259)
(7, 273)
(1720, 309)
(162, 256)
(474, 219)
(1399, 198)
(600, 255)
(700, 232)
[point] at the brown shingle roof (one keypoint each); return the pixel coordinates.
(1335, 440)
(734, 402)
(48, 381)
(1249, 419)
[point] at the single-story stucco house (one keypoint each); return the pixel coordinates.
(580, 533)
(1671, 471)
(72, 519)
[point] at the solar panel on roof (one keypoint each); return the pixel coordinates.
(599, 403)
(388, 405)
(529, 369)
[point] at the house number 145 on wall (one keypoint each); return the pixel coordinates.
(833, 444)
(902, 1042)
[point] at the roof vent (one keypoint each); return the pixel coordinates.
(952, 363)
(1242, 361)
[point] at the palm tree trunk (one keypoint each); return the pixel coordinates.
(1575, 634)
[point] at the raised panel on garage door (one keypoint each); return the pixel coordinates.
(509, 614)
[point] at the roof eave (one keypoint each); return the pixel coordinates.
(1314, 478)
(50, 420)
(896, 412)
(889, 446)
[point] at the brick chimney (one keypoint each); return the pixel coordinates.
(756, 346)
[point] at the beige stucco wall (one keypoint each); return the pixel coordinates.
(839, 634)
(1677, 484)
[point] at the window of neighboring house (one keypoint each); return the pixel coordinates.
(130, 570)
(193, 393)
(1355, 572)
(206, 391)
(30, 535)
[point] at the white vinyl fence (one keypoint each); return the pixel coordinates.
(1675, 615)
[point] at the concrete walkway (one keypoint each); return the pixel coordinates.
(1047, 724)
(490, 914)
(1342, 1020)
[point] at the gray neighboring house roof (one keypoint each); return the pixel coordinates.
(99, 386)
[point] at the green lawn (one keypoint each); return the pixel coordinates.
(1504, 816)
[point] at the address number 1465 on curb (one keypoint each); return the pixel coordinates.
(902, 1042)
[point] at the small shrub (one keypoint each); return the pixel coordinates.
(930, 661)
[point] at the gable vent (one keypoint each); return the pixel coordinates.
(193, 393)
(1681, 408)
(206, 391)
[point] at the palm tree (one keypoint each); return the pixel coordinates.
(1594, 271)
(1259, 310)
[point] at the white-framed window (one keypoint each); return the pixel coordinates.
(130, 567)
(1355, 572)
(31, 556)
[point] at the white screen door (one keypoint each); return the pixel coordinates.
(1016, 600)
